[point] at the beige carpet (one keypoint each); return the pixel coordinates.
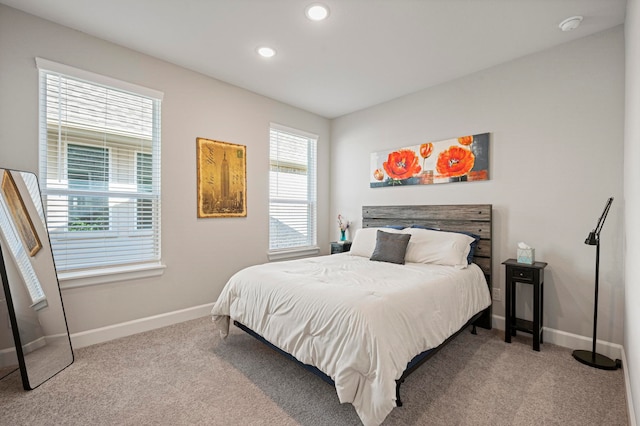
(185, 374)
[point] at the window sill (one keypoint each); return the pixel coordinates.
(293, 253)
(40, 305)
(91, 277)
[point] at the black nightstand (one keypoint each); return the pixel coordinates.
(526, 274)
(340, 247)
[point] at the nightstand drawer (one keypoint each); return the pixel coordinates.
(522, 274)
(341, 247)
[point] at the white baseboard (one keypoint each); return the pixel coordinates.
(8, 357)
(104, 334)
(627, 384)
(570, 340)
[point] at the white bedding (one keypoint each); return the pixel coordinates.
(358, 321)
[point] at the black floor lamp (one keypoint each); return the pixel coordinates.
(591, 358)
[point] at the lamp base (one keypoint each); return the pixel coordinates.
(596, 360)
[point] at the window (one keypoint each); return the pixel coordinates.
(144, 179)
(87, 169)
(99, 170)
(292, 192)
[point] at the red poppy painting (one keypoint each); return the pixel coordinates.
(402, 164)
(455, 161)
(459, 159)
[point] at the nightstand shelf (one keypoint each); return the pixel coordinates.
(523, 325)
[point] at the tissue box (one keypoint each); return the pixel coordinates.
(526, 256)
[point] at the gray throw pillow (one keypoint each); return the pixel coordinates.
(390, 247)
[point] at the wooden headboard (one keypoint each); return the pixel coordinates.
(474, 218)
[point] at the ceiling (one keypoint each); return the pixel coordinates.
(367, 51)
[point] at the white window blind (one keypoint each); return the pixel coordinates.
(292, 189)
(99, 169)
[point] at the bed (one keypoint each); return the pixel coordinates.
(365, 325)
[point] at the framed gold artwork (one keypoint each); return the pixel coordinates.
(222, 178)
(21, 218)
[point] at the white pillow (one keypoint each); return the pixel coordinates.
(439, 247)
(364, 242)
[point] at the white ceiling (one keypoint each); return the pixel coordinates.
(365, 53)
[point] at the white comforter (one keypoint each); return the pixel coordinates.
(358, 321)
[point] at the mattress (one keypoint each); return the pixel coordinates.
(358, 321)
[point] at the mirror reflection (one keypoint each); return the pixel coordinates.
(8, 357)
(38, 340)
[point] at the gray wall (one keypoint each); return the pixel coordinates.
(200, 254)
(632, 201)
(556, 122)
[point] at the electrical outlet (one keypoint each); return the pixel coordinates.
(497, 296)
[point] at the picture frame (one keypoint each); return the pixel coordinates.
(222, 179)
(21, 217)
(459, 159)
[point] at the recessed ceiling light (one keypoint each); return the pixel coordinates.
(266, 52)
(317, 11)
(570, 23)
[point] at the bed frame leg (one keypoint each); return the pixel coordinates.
(473, 329)
(398, 400)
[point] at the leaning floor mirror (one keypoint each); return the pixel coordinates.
(36, 338)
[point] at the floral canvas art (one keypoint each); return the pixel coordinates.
(461, 159)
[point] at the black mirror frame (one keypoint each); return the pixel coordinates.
(13, 318)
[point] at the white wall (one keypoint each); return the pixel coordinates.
(200, 254)
(556, 155)
(632, 202)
